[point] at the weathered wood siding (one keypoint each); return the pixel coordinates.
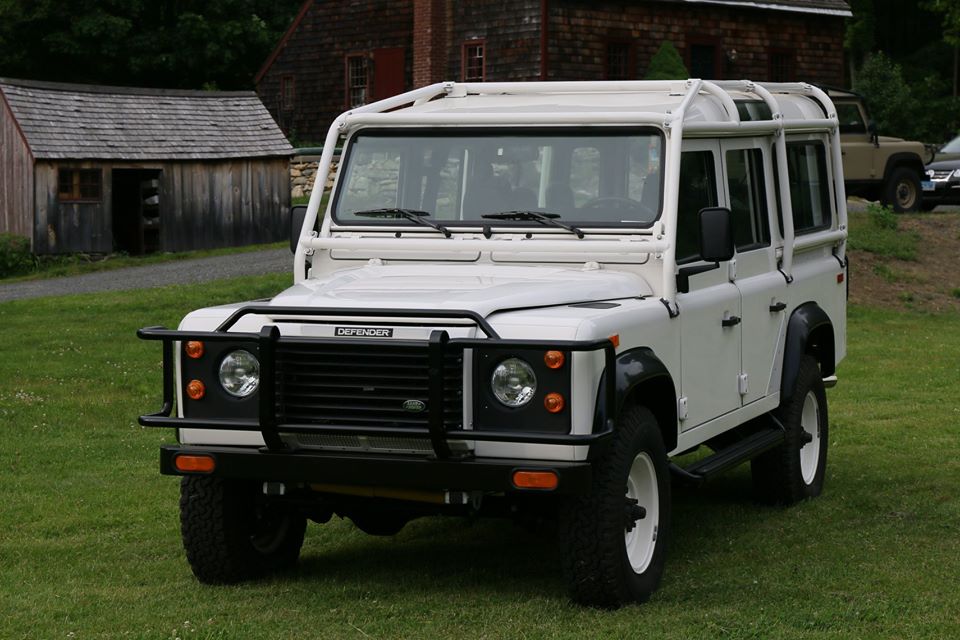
(223, 204)
(579, 33)
(71, 227)
(204, 204)
(16, 177)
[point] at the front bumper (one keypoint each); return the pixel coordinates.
(941, 191)
(271, 426)
(409, 472)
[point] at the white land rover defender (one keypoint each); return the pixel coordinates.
(526, 298)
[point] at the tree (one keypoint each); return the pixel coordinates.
(157, 43)
(950, 10)
(666, 64)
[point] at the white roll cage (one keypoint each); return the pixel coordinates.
(389, 112)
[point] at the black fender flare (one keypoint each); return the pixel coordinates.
(903, 159)
(637, 368)
(809, 330)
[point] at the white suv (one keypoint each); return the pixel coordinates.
(526, 298)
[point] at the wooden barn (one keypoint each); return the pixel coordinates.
(98, 169)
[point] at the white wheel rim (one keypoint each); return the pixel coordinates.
(642, 487)
(810, 452)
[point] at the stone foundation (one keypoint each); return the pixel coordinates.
(303, 173)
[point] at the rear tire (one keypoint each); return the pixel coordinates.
(232, 533)
(611, 557)
(902, 190)
(796, 469)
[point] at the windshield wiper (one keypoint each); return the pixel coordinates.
(413, 215)
(549, 219)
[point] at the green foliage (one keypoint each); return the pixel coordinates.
(156, 43)
(666, 64)
(15, 255)
(877, 230)
(950, 10)
(955, 292)
(882, 216)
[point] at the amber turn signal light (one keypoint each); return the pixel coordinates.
(196, 389)
(194, 463)
(543, 480)
(194, 349)
(553, 402)
(554, 359)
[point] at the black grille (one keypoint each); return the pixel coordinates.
(364, 386)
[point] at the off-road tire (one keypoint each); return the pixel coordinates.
(778, 475)
(592, 528)
(902, 190)
(232, 533)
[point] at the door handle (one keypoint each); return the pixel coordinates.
(731, 321)
(777, 307)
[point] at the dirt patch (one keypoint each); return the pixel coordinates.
(931, 283)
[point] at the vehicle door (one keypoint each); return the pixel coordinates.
(858, 150)
(748, 193)
(710, 332)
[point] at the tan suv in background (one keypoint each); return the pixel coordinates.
(876, 167)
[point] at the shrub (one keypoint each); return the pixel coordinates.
(15, 256)
(666, 64)
(882, 216)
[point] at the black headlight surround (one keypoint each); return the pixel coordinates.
(216, 402)
(490, 414)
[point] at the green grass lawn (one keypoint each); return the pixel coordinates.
(90, 545)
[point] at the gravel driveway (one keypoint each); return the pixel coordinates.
(155, 275)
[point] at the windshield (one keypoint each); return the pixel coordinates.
(589, 178)
(953, 146)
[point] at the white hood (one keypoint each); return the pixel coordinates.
(484, 289)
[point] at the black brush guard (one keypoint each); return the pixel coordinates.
(270, 427)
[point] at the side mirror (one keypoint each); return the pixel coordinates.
(297, 214)
(716, 234)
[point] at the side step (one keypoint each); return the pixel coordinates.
(726, 459)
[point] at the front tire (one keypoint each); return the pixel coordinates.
(902, 190)
(613, 555)
(232, 533)
(795, 470)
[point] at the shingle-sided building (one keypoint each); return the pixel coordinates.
(100, 169)
(339, 54)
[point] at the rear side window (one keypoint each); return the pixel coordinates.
(809, 187)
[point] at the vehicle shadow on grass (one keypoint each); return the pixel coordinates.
(439, 554)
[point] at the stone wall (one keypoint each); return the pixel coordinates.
(303, 173)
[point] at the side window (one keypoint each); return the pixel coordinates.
(748, 198)
(809, 187)
(851, 121)
(698, 189)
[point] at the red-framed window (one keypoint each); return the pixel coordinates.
(356, 79)
(620, 62)
(288, 92)
(474, 64)
(79, 185)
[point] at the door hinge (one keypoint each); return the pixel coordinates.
(742, 383)
(682, 408)
(732, 270)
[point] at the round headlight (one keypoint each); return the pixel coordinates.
(513, 382)
(240, 373)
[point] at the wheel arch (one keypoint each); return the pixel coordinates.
(903, 159)
(642, 378)
(809, 331)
